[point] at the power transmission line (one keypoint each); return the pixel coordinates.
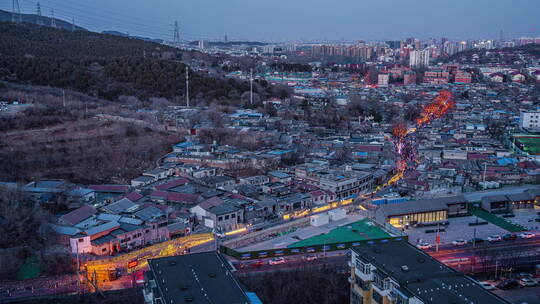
(16, 12)
(38, 14)
(53, 20)
(176, 39)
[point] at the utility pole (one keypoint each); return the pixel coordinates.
(187, 86)
(38, 14)
(72, 24)
(176, 37)
(78, 268)
(251, 86)
(53, 20)
(484, 178)
(16, 12)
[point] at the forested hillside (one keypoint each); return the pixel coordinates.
(110, 78)
(30, 39)
(108, 66)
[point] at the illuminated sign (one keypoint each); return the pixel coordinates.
(133, 264)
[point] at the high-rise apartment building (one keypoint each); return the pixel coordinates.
(419, 58)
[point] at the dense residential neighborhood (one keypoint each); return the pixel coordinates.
(226, 170)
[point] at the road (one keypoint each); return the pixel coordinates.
(334, 259)
(100, 270)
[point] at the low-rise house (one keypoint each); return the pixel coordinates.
(219, 182)
(142, 180)
(78, 215)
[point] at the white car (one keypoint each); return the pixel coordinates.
(459, 242)
(311, 257)
(487, 285)
(276, 261)
(423, 246)
(494, 238)
(526, 235)
(527, 282)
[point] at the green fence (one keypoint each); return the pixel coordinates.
(498, 221)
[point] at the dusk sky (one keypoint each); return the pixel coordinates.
(301, 19)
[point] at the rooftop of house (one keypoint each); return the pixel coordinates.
(78, 215)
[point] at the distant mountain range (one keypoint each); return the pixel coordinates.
(33, 18)
(230, 43)
(117, 33)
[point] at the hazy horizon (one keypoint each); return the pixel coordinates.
(301, 19)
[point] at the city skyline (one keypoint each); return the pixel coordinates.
(299, 21)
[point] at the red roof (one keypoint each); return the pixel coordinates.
(317, 193)
(134, 196)
(172, 184)
(78, 215)
(182, 197)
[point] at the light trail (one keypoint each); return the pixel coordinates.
(436, 109)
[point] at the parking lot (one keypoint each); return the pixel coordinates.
(459, 228)
(527, 295)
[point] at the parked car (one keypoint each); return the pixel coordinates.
(525, 275)
(494, 238)
(311, 257)
(240, 266)
(276, 261)
(508, 284)
(423, 246)
(526, 235)
(257, 264)
(527, 282)
(510, 237)
(459, 242)
(487, 285)
(476, 241)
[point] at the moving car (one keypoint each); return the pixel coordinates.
(311, 257)
(423, 246)
(459, 242)
(508, 284)
(494, 238)
(257, 264)
(527, 282)
(526, 235)
(509, 237)
(276, 261)
(487, 285)
(476, 241)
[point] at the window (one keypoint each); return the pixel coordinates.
(226, 217)
(361, 283)
(103, 249)
(81, 240)
(220, 219)
(356, 298)
(364, 268)
(377, 297)
(233, 215)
